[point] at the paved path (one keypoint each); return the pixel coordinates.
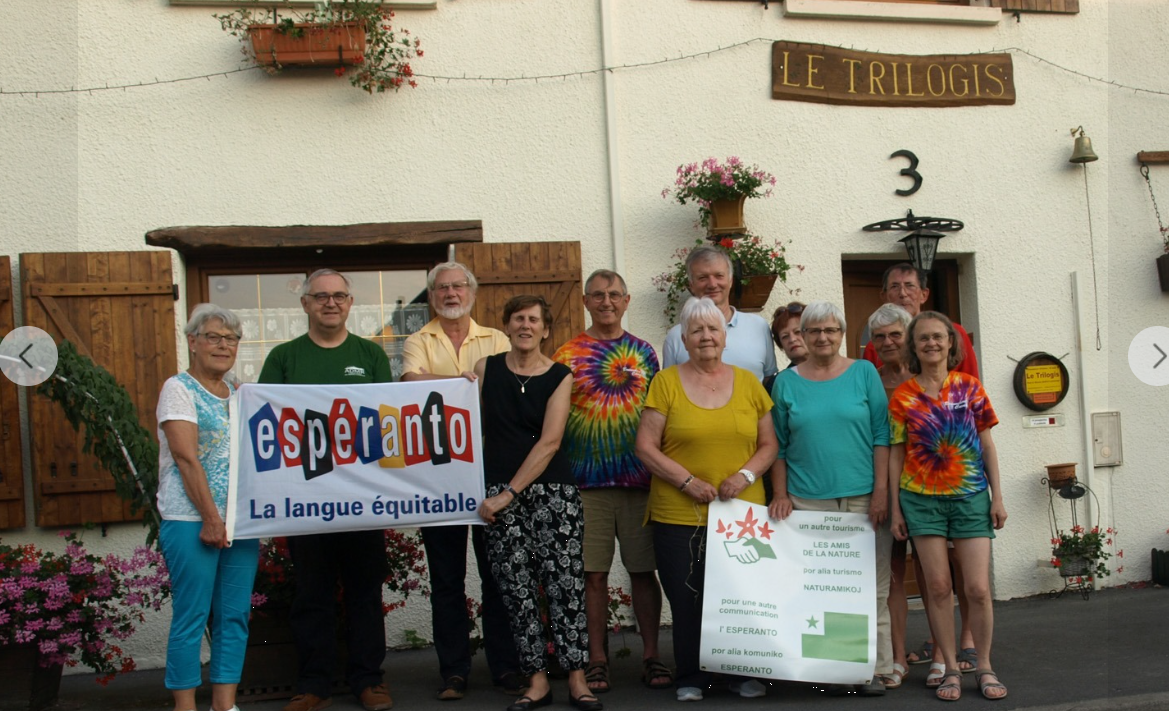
(1109, 652)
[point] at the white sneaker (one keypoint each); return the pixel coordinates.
(689, 693)
(749, 689)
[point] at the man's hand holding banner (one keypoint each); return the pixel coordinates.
(794, 599)
(327, 458)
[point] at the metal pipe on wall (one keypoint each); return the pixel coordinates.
(616, 221)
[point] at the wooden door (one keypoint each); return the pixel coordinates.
(862, 295)
(548, 269)
(118, 309)
(11, 467)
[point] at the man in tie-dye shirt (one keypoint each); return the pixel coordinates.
(611, 373)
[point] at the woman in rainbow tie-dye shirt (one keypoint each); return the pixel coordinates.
(945, 475)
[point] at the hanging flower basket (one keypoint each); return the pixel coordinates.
(754, 292)
(726, 217)
(1163, 271)
(308, 44)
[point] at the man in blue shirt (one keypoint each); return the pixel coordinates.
(749, 346)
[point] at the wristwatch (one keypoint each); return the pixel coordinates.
(748, 475)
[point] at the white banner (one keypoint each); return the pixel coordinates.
(327, 458)
(793, 599)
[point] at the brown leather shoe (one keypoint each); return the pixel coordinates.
(376, 698)
(307, 702)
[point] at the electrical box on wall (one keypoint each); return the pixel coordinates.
(1106, 445)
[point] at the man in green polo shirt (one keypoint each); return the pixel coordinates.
(330, 355)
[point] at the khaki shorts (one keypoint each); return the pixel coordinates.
(617, 514)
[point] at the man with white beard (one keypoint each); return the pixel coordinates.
(449, 346)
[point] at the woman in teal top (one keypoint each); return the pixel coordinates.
(832, 420)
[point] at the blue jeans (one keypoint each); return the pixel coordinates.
(205, 580)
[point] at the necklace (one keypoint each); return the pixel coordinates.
(523, 383)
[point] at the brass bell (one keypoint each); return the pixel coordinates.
(1082, 152)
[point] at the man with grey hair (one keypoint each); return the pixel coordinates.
(330, 355)
(710, 273)
(612, 370)
(449, 346)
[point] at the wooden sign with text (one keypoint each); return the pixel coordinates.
(832, 75)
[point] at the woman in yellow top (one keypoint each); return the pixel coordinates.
(705, 432)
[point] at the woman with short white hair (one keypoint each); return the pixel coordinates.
(208, 572)
(832, 421)
(705, 432)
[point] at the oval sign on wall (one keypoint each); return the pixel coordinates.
(1041, 381)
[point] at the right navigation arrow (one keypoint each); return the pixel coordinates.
(1162, 359)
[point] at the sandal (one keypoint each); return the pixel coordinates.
(951, 681)
(894, 680)
(655, 675)
(924, 655)
(984, 686)
(968, 657)
(937, 673)
(598, 673)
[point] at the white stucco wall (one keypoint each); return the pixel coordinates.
(96, 171)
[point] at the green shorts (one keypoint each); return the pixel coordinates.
(617, 514)
(949, 518)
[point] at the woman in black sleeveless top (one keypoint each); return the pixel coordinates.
(533, 510)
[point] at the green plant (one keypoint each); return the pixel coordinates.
(1085, 545)
(414, 640)
(94, 402)
(711, 180)
(385, 64)
(750, 252)
(74, 606)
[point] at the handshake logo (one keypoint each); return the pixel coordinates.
(745, 539)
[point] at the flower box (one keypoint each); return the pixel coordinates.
(308, 44)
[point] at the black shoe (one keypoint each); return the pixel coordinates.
(453, 689)
(526, 703)
(585, 702)
(512, 683)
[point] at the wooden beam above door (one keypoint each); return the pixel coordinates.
(187, 240)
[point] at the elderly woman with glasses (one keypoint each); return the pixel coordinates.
(704, 432)
(209, 574)
(945, 469)
(887, 328)
(832, 421)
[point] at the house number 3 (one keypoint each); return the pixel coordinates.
(910, 172)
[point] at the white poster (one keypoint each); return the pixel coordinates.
(326, 458)
(793, 599)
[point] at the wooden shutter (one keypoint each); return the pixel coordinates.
(11, 468)
(1062, 6)
(118, 309)
(507, 269)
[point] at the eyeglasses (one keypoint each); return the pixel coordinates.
(600, 296)
(215, 339)
(890, 336)
(829, 331)
(793, 308)
(323, 297)
(452, 286)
